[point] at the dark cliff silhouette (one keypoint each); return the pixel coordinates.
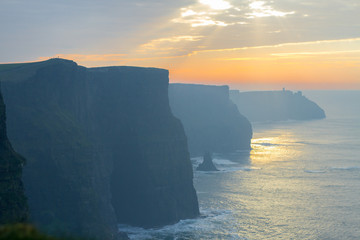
(276, 106)
(102, 146)
(207, 164)
(211, 121)
(13, 204)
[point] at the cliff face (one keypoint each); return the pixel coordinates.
(102, 147)
(276, 106)
(13, 206)
(211, 121)
(152, 170)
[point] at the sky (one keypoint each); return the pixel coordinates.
(247, 44)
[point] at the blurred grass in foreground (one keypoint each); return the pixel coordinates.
(21, 231)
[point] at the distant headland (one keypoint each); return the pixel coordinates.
(260, 106)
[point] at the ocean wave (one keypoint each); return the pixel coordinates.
(226, 169)
(352, 168)
(346, 168)
(236, 169)
(196, 161)
(221, 161)
(184, 229)
(266, 144)
(315, 171)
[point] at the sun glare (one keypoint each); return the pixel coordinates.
(270, 149)
(257, 5)
(188, 12)
(216, 4)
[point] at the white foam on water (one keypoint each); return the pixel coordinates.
(237, 169)
(196, 160)
(226, 169)
(221, 161)
(346, 168)
(266, 144)
(185, 229)
(315, 171)
(223, 165)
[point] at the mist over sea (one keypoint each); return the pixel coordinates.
(301, 180)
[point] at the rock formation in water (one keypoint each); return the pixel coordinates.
(102, 147)
(207, 164)
(276, 106)
(211, 121)
(13, 205)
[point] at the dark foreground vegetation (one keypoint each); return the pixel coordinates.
(22, 231)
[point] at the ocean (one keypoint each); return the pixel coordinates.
(301, 180)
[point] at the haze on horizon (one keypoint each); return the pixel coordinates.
(297, 44)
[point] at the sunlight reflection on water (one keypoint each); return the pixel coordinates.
(274, 149)
(300, 181)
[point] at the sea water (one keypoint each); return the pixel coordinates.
(301, 180)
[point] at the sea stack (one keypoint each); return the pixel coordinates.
(207, 164)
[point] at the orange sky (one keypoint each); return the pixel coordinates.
(307, 65)
(246, 44)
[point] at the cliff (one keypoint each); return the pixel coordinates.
(102, 147)
(211, 121)
(276, 105)
(13, 205)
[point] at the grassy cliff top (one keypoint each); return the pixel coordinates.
(21, 71)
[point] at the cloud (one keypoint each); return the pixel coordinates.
(295, 54)
(324, 47)
(204, 13)
(221, 13)
(200, 16)
(351, 43)
(170, 46)
(166, 42)
(159, 29)
(259, 9)
(216, 4)
(199, 20)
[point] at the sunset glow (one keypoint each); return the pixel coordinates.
(186, 119)
(247, 44)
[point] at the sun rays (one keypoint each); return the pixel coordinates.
(240, 42)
